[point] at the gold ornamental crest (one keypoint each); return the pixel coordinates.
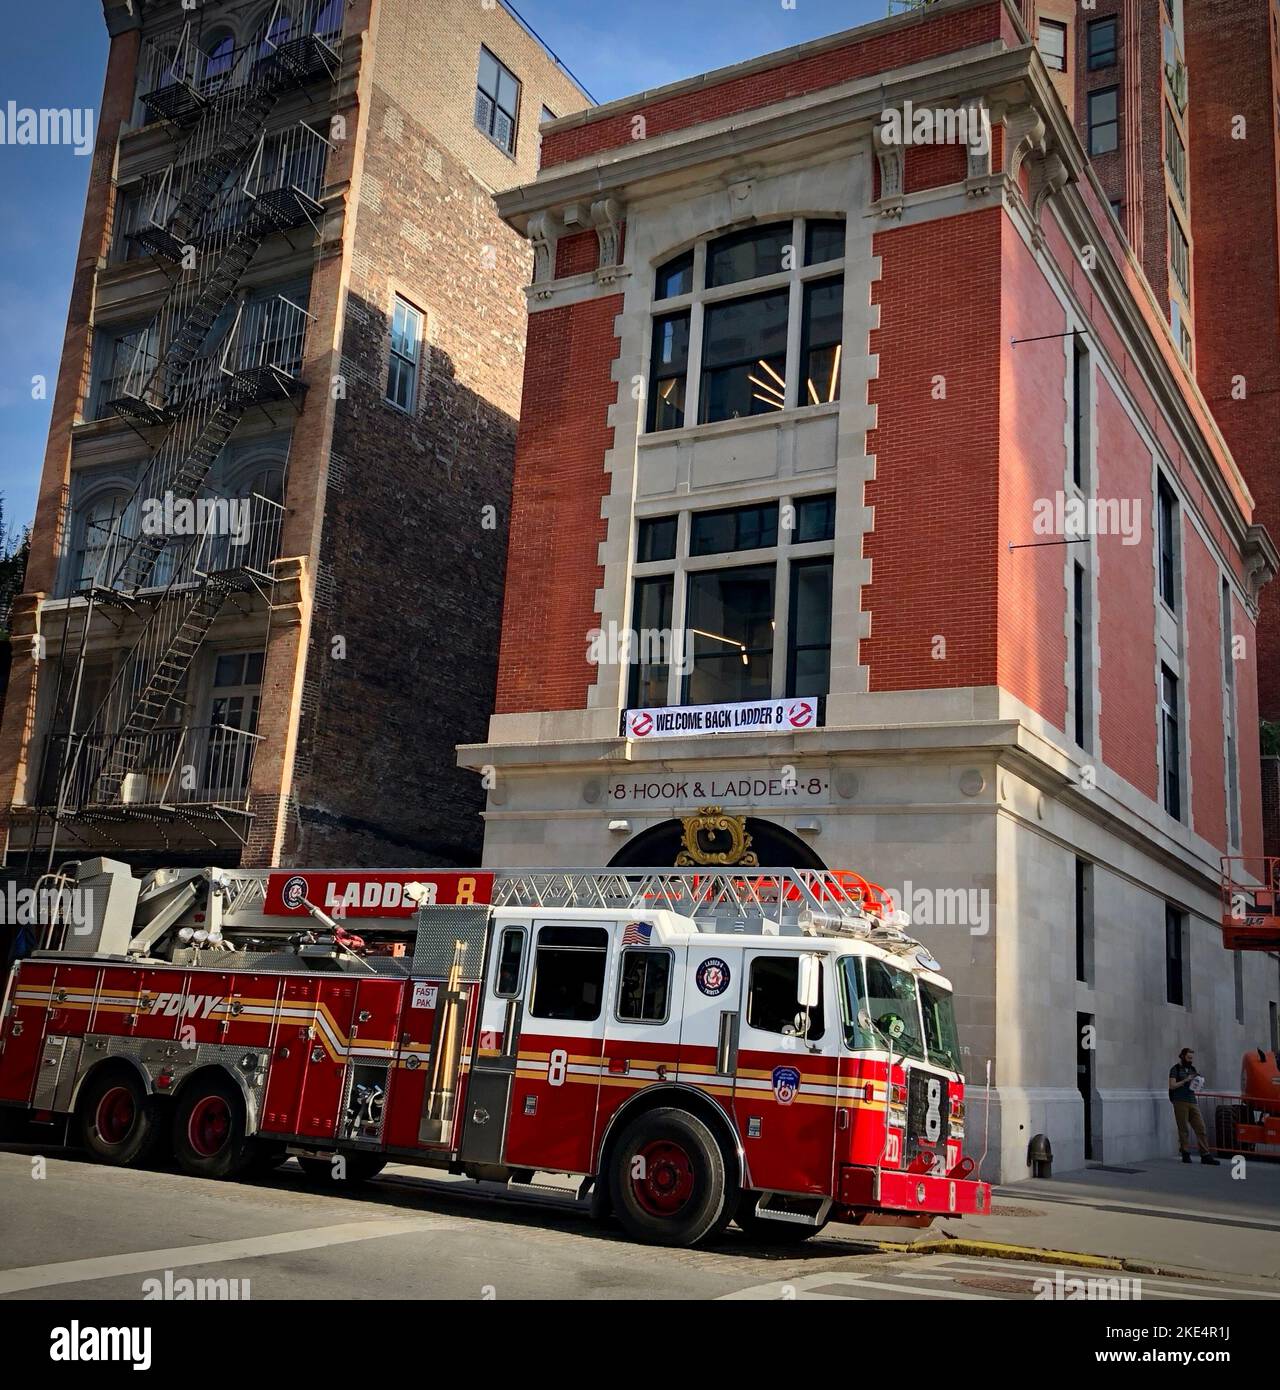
(713, 838)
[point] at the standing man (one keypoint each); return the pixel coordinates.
(1186, 1109)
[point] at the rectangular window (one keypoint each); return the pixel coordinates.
(1084, 921)
(656, 539)
(734, 528)
(821, 333)
(744, 357)
(1102, 43)
(809, 628)
(1229, 718)
(1167, 523)
(1175, 154)
(1179, 252)
(823, 240)
(497, 102)
(669, 371)
(644, 986)
(1104, 124)
(1082, 644)
(651, 655)
(506, 980)
(1079, 411)
(1052, 43)
(406, 349)
(1117, 211)
(815, 519)
(568, 974)
(772, 997)
(730, 623)
(1171, 743)
(1174, 964)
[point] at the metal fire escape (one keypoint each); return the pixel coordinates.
(213, 351)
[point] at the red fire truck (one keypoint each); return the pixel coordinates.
(700, 1046)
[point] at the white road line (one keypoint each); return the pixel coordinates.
(800, 1289)
(978, 1263)
(218, 1252)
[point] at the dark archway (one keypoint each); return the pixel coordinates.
(774, 846)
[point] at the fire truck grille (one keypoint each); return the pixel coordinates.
(926, 1115)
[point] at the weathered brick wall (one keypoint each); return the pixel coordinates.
(1235, 72)
(935, 493)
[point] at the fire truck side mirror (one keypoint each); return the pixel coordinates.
(807, 982)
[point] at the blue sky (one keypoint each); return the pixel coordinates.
(54, 54)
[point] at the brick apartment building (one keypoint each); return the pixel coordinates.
(297, 321)
(808, 409)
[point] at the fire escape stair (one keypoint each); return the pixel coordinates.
(152, 701)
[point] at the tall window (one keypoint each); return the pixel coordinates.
(1179, 252)
(734, 296)
(406, 351)
(1175, 980)
(1167, 530)
(1082, 645)
(709, 632)
(1104, 124)
(1052, 43)
(1171, 743)
(1079, 410)
(1084, 921)
(1229, 719)
(497, 101)
(1102, 43)
(1175, 153)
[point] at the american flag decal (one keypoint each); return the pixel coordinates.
(637, 934)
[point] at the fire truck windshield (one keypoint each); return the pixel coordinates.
(939, 1026)
(881, 1007)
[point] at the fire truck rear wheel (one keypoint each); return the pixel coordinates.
(208, 1131)
(765, 1232)
(117, 1121)
(358, 1168)
(667, 1179)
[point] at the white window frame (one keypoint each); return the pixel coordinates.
(394, 357)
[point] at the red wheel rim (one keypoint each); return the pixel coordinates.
(662, 1181)
(115, 1115)
(209, 1126)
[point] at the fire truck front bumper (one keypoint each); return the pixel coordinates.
(906, 1198)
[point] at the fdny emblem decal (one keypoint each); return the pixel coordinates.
(786, 1082)
(713, 976)
(293, 892)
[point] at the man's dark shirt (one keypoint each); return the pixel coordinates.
(1183, 1074)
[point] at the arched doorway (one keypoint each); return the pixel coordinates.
(773, 846)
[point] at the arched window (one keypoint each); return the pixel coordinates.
(218, 59)
(736, 295)
(98, 547)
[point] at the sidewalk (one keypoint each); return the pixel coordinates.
(1169, 1214)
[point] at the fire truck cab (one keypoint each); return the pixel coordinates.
(765, 1046)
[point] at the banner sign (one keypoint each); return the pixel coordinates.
(754, 717)
(375, 893)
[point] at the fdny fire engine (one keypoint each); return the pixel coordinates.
(699, 1046)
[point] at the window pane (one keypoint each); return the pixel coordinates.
(747, 255)
(567, 983)
(508, 91)
(676, 277)
(1103, 126)
(821, 332)
(510, 958)
(744, 357)
(823, 241)
(731, 627)
(487, 79)
(891, 999)
(644, 985)
(1102, 43)
(1052, 43)
(651, 626)
(809, 665)
(733, 528)
(656, 539)
(668, 371)
(772, 1005)
(815, 519)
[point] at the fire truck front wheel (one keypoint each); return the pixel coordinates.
(208, 1130)
(667, 1179)
(117, 1121)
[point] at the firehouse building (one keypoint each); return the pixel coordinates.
(867, 515)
